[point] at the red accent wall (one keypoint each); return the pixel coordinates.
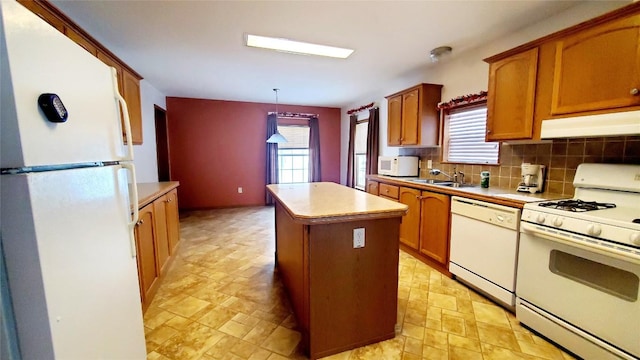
(216, 146)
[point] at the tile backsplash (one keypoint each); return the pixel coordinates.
(560, 156)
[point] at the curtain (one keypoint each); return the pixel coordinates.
(315, 174)
(353, 119)
(272, 156)
(373, 141)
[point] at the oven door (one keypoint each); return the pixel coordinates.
(593, 289)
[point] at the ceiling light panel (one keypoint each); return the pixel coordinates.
(297, 47)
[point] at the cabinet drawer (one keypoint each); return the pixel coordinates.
(390, 191)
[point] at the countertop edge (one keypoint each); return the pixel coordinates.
(337, 218)
(465, 193)
(148, 192)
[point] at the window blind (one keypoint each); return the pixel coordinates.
(297, 137)
(361, 138)
(466, 143)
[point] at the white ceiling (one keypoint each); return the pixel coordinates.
(196, 48)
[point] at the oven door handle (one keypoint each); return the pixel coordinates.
(592, 246)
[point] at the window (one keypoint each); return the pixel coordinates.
(464, 137)
(293, 156)
(360, 148)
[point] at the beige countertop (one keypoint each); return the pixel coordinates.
(502, 196)
(148, 192)
(326, 202)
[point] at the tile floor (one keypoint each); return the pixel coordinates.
(221, 299)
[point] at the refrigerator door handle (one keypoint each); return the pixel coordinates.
(133, 195)
(125, 114)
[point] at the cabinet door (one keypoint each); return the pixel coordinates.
(131, 95)
(394, 120)
(372, 187)
(434, 226)
(162, 242)
(598, 69)
(511, 97)
(410, 226)
(148, 272)
(411, 118)
(173, 220)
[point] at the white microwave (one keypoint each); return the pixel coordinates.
(398, 165)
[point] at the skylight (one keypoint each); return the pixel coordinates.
(297, 47)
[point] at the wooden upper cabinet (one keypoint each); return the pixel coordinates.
(434, 226)
(394, 122)
(410, 117)
(511, 96)
(598, 68)
(129, 88)
(107, 59)
(410, 226)
(413, 116)
(131, 95)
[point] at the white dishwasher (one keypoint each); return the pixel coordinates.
(484, 247)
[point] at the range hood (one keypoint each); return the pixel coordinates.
(611, 124)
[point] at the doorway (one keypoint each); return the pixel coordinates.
(162, 144)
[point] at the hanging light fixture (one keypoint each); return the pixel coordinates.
(276, 137)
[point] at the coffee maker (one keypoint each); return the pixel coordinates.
(532, 178)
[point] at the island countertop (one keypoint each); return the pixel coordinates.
(326, 202)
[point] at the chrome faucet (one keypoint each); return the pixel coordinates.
(456, 173)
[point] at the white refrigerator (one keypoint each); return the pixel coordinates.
(68, 209)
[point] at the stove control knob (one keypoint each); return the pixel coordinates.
(635, 238)
(594, 229)
(541, 218)
(557, 221)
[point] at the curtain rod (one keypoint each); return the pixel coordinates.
(294, 115)
(363, 107)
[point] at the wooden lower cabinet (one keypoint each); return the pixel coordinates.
(434, 227)
(424, 231)
(146, 241)
(410, 227)
(157, 236)
(173, 225)
(372, 187)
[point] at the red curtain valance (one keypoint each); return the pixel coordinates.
(463, 100)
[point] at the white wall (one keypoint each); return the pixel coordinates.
(466, 73)
(145, 154)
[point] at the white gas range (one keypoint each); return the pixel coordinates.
(579, 264)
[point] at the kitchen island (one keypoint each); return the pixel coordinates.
(344, 295)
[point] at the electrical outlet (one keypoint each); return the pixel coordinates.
(240, 190)
(358, 238)
(429, 164)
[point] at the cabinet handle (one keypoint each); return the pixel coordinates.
(488, 131)
(635, 91)
(141, 222)
(169, 200)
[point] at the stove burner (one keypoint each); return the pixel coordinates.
(577, 205)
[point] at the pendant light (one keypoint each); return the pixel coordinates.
(276, 137)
